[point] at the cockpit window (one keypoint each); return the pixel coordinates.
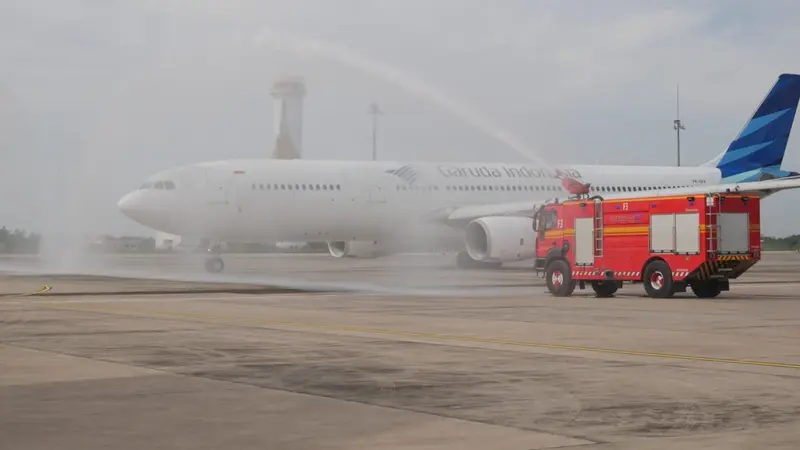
(161, 184)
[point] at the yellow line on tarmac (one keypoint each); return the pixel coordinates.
(43, 289)
(434, 336)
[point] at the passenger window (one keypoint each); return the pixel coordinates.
(159, 185)
(169, 185)
(289, 186)
(338, 187)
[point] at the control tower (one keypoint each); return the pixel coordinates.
(288, 92)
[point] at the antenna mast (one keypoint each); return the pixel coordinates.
(677, 125)
(374, 110)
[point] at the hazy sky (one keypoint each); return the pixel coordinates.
(96, 95)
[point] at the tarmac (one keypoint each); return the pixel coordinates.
(484, 360)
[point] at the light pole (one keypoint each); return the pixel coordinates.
(375, 111)
(677, 125)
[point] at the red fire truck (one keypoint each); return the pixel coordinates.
(669, 243)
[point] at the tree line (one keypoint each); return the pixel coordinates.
(19, 241)
(785, 243)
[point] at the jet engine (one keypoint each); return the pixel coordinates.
(355, 249)
(501, 239)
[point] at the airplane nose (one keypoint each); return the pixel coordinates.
(127, 204)
(134, 206)
(147, 209)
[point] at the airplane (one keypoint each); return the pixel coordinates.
(375, 208)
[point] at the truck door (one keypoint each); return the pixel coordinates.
(553, 230)
(583, 247)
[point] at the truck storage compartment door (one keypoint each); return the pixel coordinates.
(584, 241)
(662, 233)
(734, 232)
(687, 233)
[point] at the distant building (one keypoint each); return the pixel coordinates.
(121, 244)
(166, 241)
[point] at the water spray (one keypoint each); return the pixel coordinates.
(285, 42)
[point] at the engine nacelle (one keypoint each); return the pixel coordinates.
(501, 239)
(356, 249)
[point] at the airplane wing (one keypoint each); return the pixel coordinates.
(460, 216)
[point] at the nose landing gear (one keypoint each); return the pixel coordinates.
(214, 262)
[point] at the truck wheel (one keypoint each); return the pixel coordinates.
(604, 288)
(706, 289)
(658, 280)
(559, 278)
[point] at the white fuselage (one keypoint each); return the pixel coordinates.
(301, 200)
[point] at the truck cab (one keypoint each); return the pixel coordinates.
(548, 223)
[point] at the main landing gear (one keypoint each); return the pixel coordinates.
(214, 262)
(464, 261)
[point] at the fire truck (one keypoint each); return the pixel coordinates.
(699, 241)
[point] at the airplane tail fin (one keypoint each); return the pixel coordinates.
(757, 152)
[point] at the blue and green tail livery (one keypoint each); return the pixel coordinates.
(757, 152)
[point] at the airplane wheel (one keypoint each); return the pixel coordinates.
(215, 265)
(464, 261)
